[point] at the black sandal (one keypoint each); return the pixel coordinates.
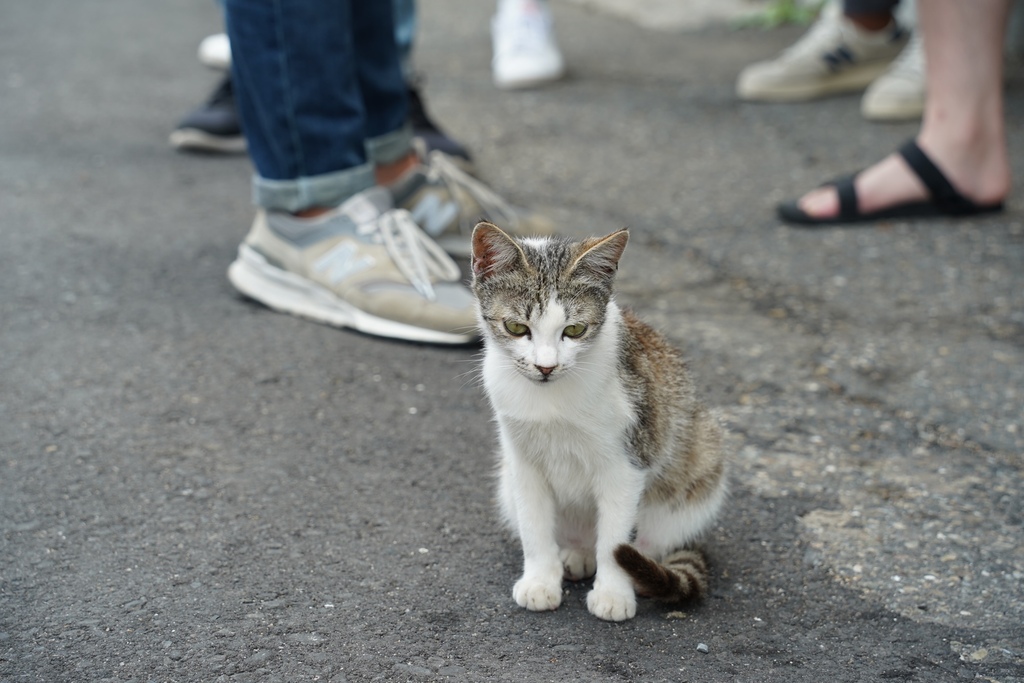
(944, 200)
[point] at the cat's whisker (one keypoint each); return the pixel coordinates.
(470, 379)
(472, 382)
(467, 329)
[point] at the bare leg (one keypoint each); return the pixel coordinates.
(963, 130)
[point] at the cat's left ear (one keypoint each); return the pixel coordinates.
(493, 251)
(601, 255)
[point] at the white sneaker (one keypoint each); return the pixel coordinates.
(834, 56)
(899, 93)
(525, 51)
(215, 51)
(364, 266)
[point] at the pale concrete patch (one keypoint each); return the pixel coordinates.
(917, 539)
(918, 533)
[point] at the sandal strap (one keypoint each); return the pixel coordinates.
(848, 208)
(943, 194)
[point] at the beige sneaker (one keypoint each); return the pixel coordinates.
(363, 266)
(447, 202)
(899, 93)
(834, 56)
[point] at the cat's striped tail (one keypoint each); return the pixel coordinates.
(682, 575)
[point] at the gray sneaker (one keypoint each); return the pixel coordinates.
(834, 56)
(364, 266)
(447, 203)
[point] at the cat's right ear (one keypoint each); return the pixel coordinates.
(601, 256)
(494, 251)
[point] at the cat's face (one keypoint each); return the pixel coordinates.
(543, 301)
(543, 339)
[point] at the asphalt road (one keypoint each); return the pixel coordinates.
(193, 488)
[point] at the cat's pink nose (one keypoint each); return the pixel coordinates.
(545, 371)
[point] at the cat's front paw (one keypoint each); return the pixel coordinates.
(578, 564)
(612, 605)
(537, 595)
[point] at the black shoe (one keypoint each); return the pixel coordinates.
(212, 127)
(428, 137)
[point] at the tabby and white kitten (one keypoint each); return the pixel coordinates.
(602, 437)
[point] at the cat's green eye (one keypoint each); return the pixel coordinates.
(573, 331)
(516, 329)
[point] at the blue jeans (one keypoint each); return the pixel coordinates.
(321, 96)
(405, 31)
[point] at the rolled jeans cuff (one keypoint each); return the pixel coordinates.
(390, 147)
(326, 190)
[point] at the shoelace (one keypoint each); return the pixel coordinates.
(417, 256)
(455, 180)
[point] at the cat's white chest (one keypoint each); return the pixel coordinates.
(577, 420)
(572, 431)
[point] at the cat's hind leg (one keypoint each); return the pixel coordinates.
(662, 527)
(578, 563)
(576, 540)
